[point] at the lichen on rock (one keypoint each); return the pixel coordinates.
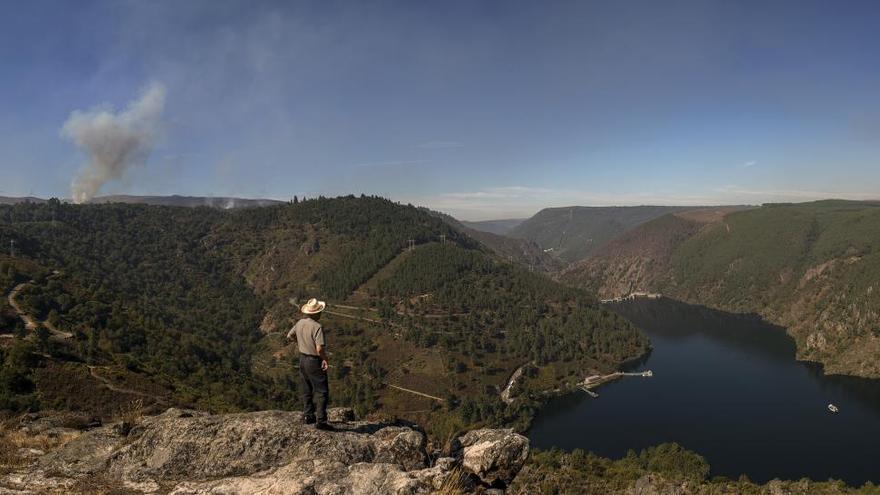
(188, 452)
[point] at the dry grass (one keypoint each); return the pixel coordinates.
(131, 412)
(101, 484)
(454, 484)
(13, 440)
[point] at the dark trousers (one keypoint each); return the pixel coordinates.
(313, 386)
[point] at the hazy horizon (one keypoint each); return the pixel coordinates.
(486, 110)
(469, 219)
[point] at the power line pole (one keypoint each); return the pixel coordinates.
(12, 248)
(443, 238)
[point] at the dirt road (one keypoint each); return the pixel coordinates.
(122, 390)
(31, 323)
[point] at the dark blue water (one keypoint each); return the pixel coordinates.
(728, 387)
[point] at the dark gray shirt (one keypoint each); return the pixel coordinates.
(309, 335)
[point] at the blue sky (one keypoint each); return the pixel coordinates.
(480, 109)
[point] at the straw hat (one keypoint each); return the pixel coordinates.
(313, 306)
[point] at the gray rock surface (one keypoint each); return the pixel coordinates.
(493, 455)
(340, 414)
(268, 452)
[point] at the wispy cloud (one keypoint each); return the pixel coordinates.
(440, 145)
(749, 164)
(393, 163)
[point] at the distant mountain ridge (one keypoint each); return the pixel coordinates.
(811, 267)
(574, 233)
(14, 200)
(522, 251)
(499, 227)
(223, 202)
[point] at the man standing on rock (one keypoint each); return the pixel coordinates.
(312, 364)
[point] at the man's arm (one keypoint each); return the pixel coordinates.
(320, 346)
(324, 364)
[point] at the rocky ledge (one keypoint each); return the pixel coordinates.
(186, 452)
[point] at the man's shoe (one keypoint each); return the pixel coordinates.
(324, 426)
(309, 420)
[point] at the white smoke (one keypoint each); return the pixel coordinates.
(114, 141)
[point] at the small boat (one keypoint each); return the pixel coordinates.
(833, 408)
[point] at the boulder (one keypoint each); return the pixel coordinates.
(401, 445)
(310, 247)
(188, 452)
(55, 423)
(84, 455)
(316, 477)
(340, 414)
(495, 456)
(172, 447)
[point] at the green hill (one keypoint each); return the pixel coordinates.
(575, 233)
(812, 267)
(175, 305)
(523, 251)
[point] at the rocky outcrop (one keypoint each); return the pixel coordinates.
(187, 452)
(497, 455)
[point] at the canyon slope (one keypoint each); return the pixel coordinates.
(811, 267)
(574, 233)
(189, 307)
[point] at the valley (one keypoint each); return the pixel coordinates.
(574, 233)
(191, 304)
(810, 267)
(728, 387)
(113, 308)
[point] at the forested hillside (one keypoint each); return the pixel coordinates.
(523, 251)
(811, 267)
(666, 469)
(172, 305)
(173, 200)
(574, 233)
(190, 201)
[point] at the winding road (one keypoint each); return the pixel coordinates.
(416, 392)
(31, 323)
(122, 390)
(505, 394)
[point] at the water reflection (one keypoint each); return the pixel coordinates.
(726, 386)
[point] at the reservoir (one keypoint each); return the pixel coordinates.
(727, 387)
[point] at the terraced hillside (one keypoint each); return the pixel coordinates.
(811, 267)
(189, 305)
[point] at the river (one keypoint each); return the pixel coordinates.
(728, 387)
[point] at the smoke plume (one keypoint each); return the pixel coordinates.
(114, 141)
